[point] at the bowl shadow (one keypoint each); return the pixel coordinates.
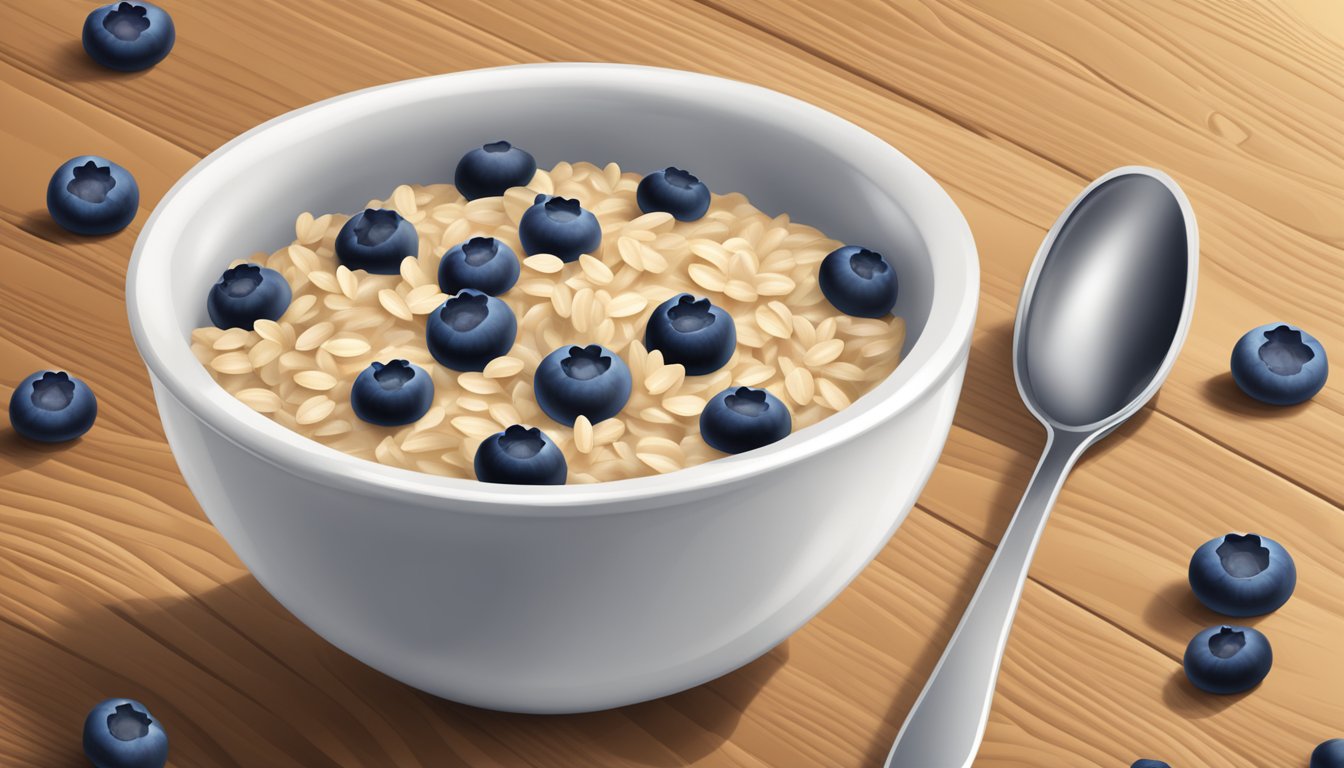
(238, 682)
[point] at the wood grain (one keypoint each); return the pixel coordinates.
(111, 581)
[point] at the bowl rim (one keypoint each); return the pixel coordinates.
(942, 346)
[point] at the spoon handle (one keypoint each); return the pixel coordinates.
(945, 727)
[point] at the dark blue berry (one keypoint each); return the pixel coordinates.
(1145, 763)
(1228, 659)
(89, 195)
(858, 281)
(741, 419)
(52, 407)
(675, 191)
(586, 381)
(377, 241)
(128, 37)
(469, 330)
(490, 170)
(392, 394)
(245, 294)
(559, 226)
(483, 263)
(1279, 364)
(120, 733)
(1242, 575)
(1328, 754)
(521, 456)
(693, 332)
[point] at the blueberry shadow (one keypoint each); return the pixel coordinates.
(239, 682)
(1222, 391)
(72, 64)
(19, 453)
(38, 223)
(1185, 700)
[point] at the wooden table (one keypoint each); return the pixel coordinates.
(113, 583)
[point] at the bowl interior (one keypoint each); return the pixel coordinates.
(784, 155)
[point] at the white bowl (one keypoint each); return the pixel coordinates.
(558, 599)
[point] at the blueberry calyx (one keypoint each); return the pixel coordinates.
(91, 182)
(562, 209)
(479, 250)
(376, 226)
(521, 442)
(464, 311)
(585, 363)
(689, 315)
(866, 263)
(679, 178)
(1243, 556)
(126, 723)
(1227, 642)
(126, 22)
(54, 391)
(1283, 352)
(241, 280)
(393, 375)
(747, 401)
(497, 146)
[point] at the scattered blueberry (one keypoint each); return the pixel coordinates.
(470, 330)
(1242, 575)
(489, 170)
(1227, 659)
(692, 332)
(1145, 763)
(858, 281)
(1279, 364)
(740, 419)
(1328, 754)
(120, 733)
(522, 456)
(392, 394)
(675, 191)
(559, 226)
(483, 263)
(589, 381)
(52, 407)
(89, 195)
(128, 37)
(245, 294)
(376, 241)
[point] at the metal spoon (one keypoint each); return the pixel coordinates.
(1103, 315)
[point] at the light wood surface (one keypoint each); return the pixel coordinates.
(113, 583)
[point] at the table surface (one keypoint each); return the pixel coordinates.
(112, 581)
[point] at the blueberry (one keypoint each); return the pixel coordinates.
(483, 263)
(52, 407)
(91, 196)
(1242, 575)
(692, 332)
(858, 281)
(245, 294)
(469, 330)
(1145, 763)
(521, 456)
(376, 241)
(392, 394)
(559, 226)
(740, 419)
(489, 170)
(1279, 364)
(1328, 754)
(1228, 659)
(675, 191)
(582, 381)
(128, 37)
(120, 733)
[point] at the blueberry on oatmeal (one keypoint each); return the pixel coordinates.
(245, 294)
(484, 264)
(376, 240)
(575, 381)
(741, 419)
(674, 191)
(692, 332)
(521, 456)
(858, 282)
(559, 226)
(89, 195)
(469, 330)
(52, 407)
(392, 394)
(491, 169)
(120, 733)
(128, 37)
